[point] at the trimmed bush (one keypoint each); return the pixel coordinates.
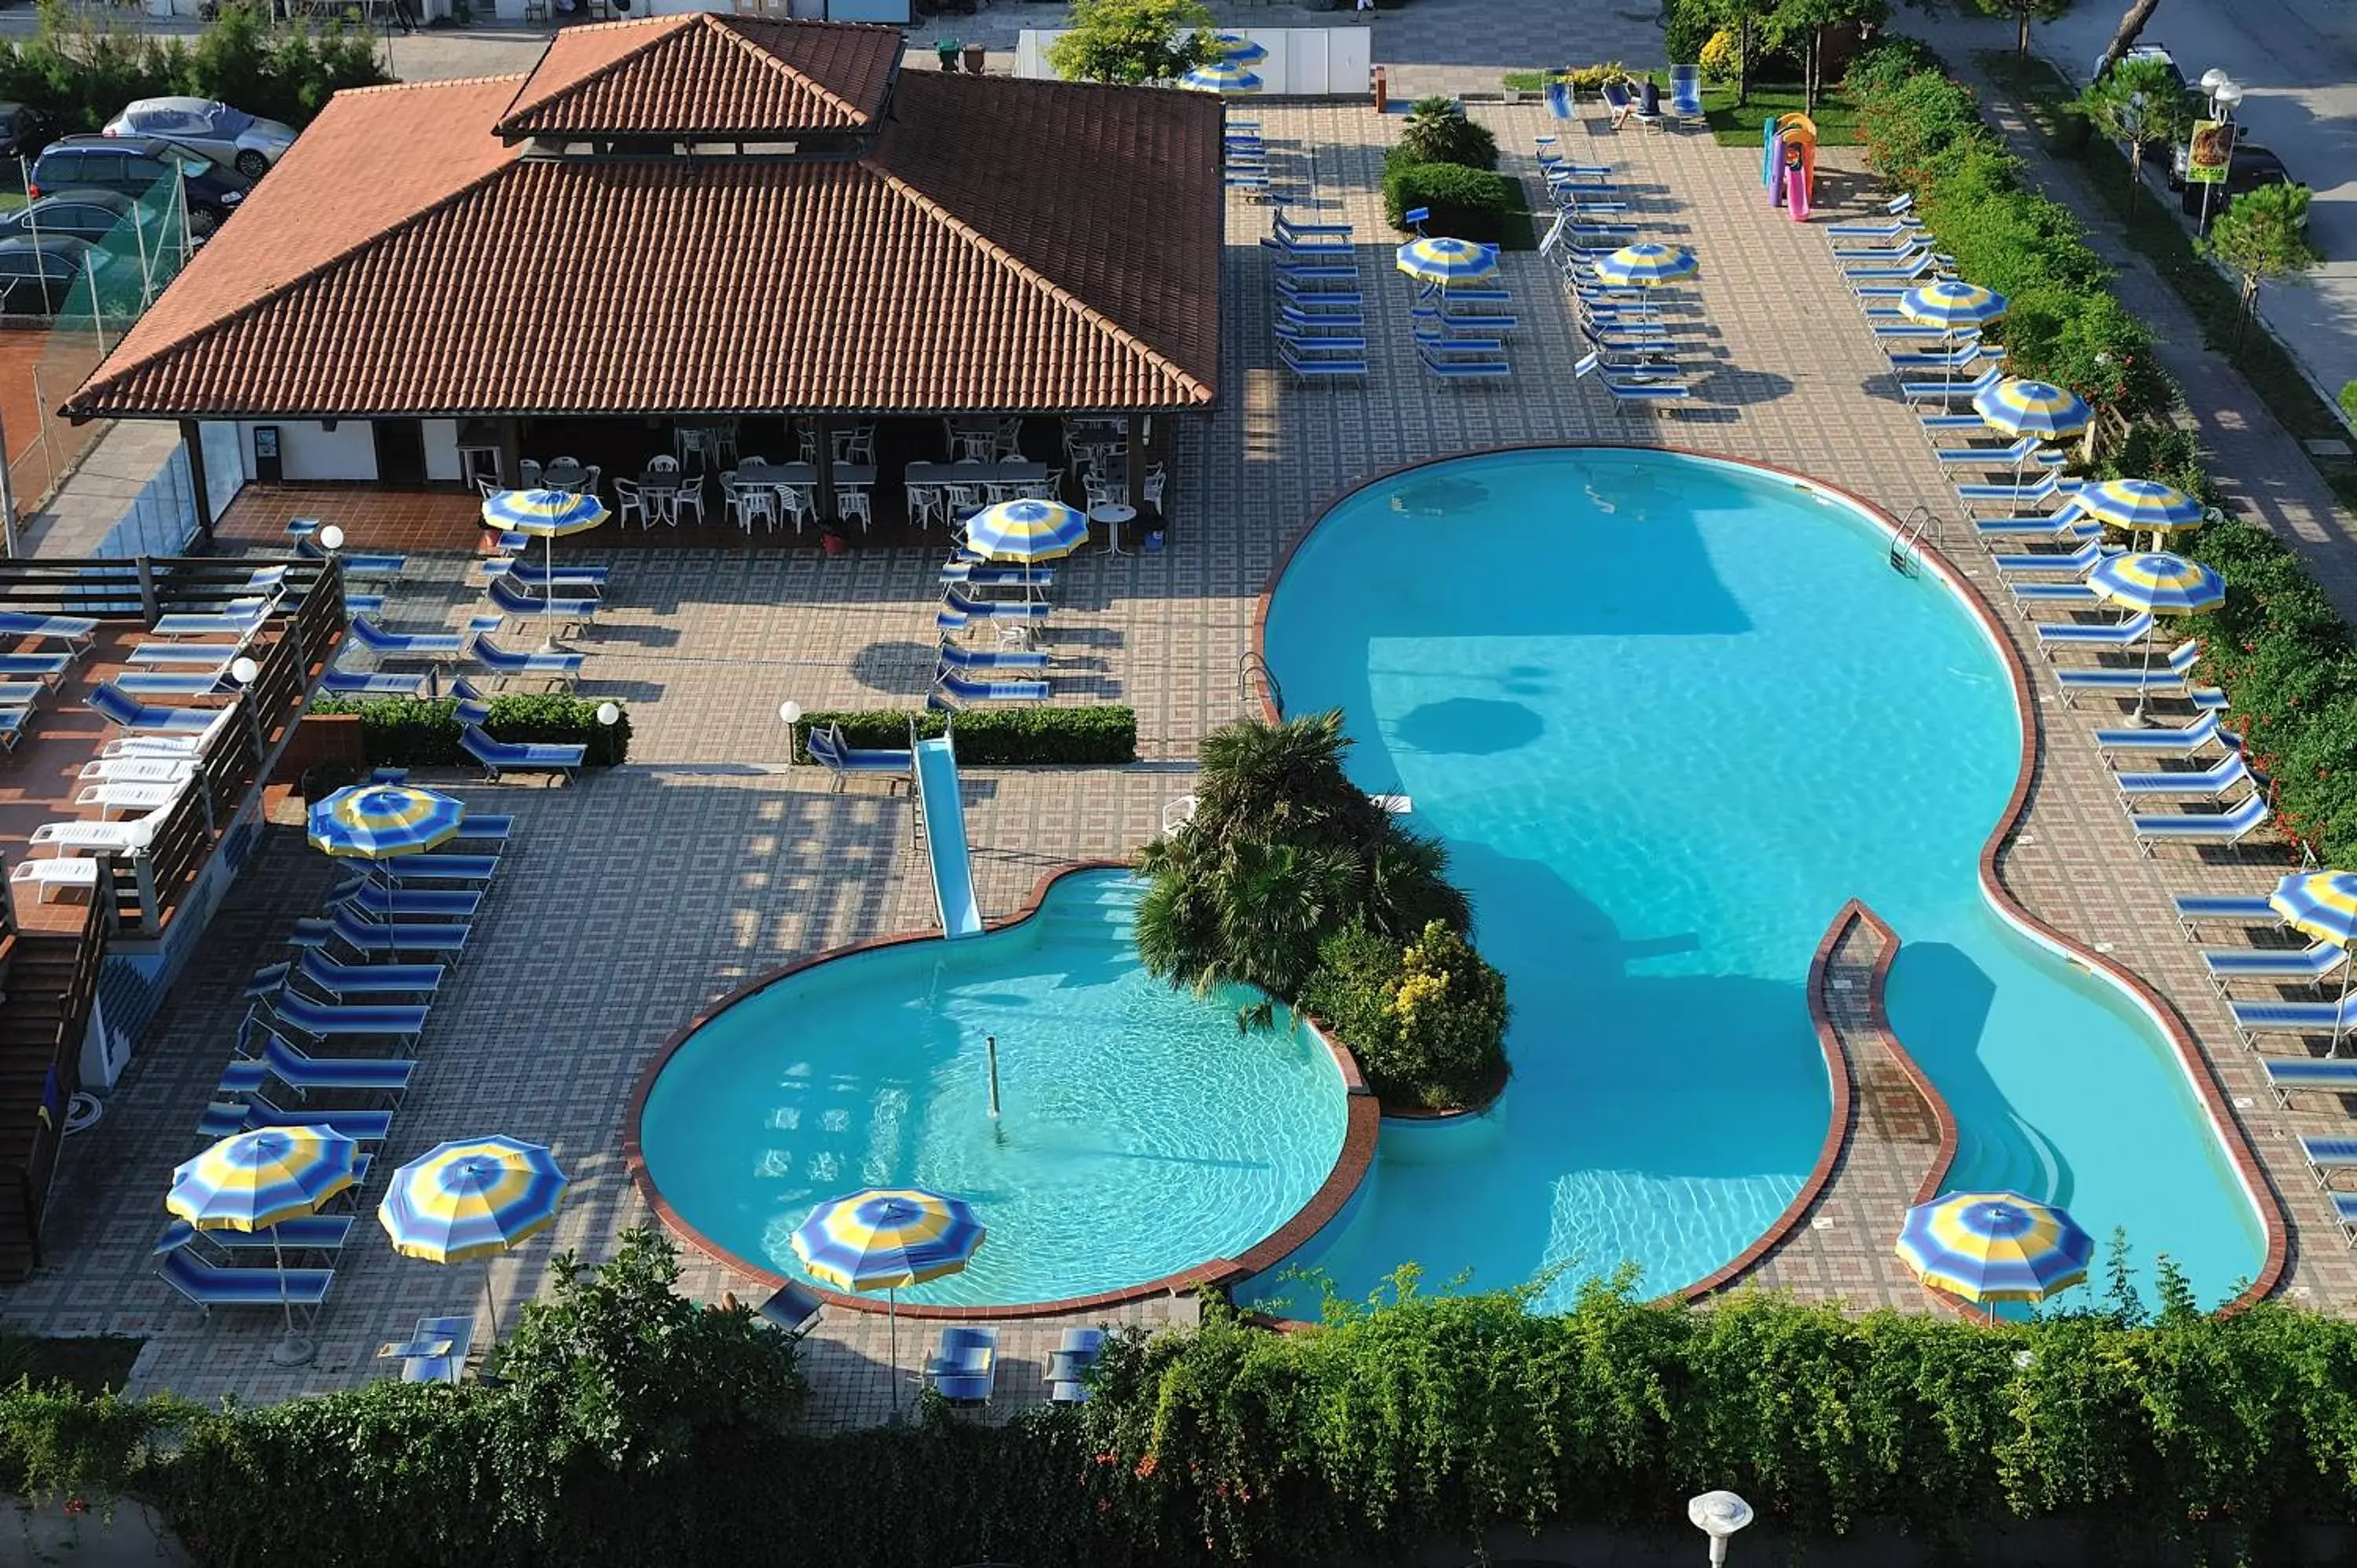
(1427, 1021)
(1438, 133)
(423, 732)
(2348, 402)
(993, 737)
(1466, 203)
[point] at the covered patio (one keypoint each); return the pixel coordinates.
(741, 277)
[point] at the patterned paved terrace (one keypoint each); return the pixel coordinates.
(639, 896)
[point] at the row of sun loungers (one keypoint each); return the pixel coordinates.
(1631, 347)
(1319, 310)
(332, 995)
(27, 677)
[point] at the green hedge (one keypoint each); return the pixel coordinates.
(635, 1429)
(993, 737)
(1466, 203)
(422, 732)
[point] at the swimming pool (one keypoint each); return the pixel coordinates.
(1669, 714)
(1139, 1133)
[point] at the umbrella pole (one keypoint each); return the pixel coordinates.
(548, 587)
(490, 1301)
(2144, 685)
(2340, 1013)
(294, 1350)
(892, 1331)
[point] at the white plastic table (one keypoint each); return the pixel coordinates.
(1113, 514)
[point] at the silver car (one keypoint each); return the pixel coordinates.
(224, 135)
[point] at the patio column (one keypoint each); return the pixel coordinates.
(192, 442)
(822, 438)
(510, 453)
(1139, 426)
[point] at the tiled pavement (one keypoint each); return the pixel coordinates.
(639, 895)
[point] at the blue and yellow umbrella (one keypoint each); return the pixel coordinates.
(2320, 904)
(377, 822)
(2018, 406)
(1645, 266)
(471, 1197)
(1222, 76)
(1952, 305)
(1437, 259)
(1237, 47)
(886, 1238)
(1995, 1246)
(2152, 580)
(1028, 530)
(253, 1181)
(550, 514)
(2141, 505)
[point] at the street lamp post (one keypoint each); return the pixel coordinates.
(2222, 99)
(791, 712)
(1718, 1514)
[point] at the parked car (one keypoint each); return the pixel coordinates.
(2153, 51)
(38, 276)
(132, 165)
(87, 215)
(2251, 168)
(224, 135)
(22, 130)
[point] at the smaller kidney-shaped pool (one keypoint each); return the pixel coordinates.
(1140, 1134)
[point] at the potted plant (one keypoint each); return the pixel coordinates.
(831, 536)
(948, 50)
(974, 59)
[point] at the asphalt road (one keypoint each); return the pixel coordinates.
(2297, 63)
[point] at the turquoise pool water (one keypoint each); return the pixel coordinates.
(1668, 714)
(1140, 1134)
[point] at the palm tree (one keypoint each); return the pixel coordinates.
(1287, 776)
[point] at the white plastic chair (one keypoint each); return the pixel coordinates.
(855, 503)
(755, 503)
(689, 497)
(1155, 479)
(796, 501)
(629, 503)
(662, 464)
(963, 500)
(926, 502)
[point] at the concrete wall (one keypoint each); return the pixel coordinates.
(442, 451)
(308, 450)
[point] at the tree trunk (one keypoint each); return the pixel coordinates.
(2021, 34)
(2140, 12)
(2250, 308)
(1743, 65)
(2136, 173)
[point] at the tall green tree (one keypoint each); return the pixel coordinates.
(2138, 102)
(1747, 19)
(2262, 235)
(2023, 12)
(2131, 24)
(1804, 24)
(1134, 41)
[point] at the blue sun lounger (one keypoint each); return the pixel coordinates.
(2230, 827)
(2252, 1019)
(2326, 1154)
(213, 656)
(1685, 93)
(2169, 672)
(983, 662)
(300, 1014)
(372, 683)
(1948, 392)
(176, 682)
(959, 608)
(828, 750)
(2208, 783)
(986, 574)
(303, 1233)
(2126, 633)
(503, 756)
(2326, 1075)
(1894, 217)
(2241, 909)
(436, 1350)
(224, 1117)
(2077, 563)
(209, 1285)
(358, 564)
(48, 668)
(536, 576)
(372, 897)
(121, 709)
(2029, 494)
(378, 640)
(366, 940)
(557, 665)
(250, 1075)
(484, 827)
(1304, 368)
(1987, 457)
(2162, 740)
(2311, 965)
(951, 690)
(963, 1366)
(74, 631)
(337, 981)
(512, 599)
(402, 870)
(239, 619)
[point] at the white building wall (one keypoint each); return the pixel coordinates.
(442, 451)
(308, 450)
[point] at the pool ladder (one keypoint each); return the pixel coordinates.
(1906, 545)
(1248, 667)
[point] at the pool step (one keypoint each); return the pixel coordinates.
(2011, 1157)
(1111, 908)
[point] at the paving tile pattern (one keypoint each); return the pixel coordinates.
(639, 896)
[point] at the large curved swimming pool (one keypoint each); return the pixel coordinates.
(1669, 715)
(1139, 1135)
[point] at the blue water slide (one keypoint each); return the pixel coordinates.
(937, 797)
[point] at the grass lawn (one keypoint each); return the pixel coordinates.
(91, 1365)
(2158, 232)
(1525, 81)
(1732, 126)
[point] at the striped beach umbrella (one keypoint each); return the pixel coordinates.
(1226, 76)
(1995, 1246)
(884, 1239)
(2141, 506)
(2323, 905)
(2019, 406)
(1237, 47)
(377, 822)
(1027, 530)
(2162, 583)
(1437, 259)
(549, 514)
(471, 1197)
(256, 1180)
(1952, 305)
(1646, 264)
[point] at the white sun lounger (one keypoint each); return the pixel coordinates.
(2165, 675)
(2208, 783)
(2310, 965)
(2230, 827)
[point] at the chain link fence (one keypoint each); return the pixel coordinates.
(77, 269)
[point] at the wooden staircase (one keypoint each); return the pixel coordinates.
(46, 991)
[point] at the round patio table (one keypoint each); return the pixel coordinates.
(1113, 514)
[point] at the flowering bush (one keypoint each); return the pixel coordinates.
(1720, 59)
(1427, 1021)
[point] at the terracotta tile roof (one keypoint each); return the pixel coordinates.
(703, 75)
(957, 267)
